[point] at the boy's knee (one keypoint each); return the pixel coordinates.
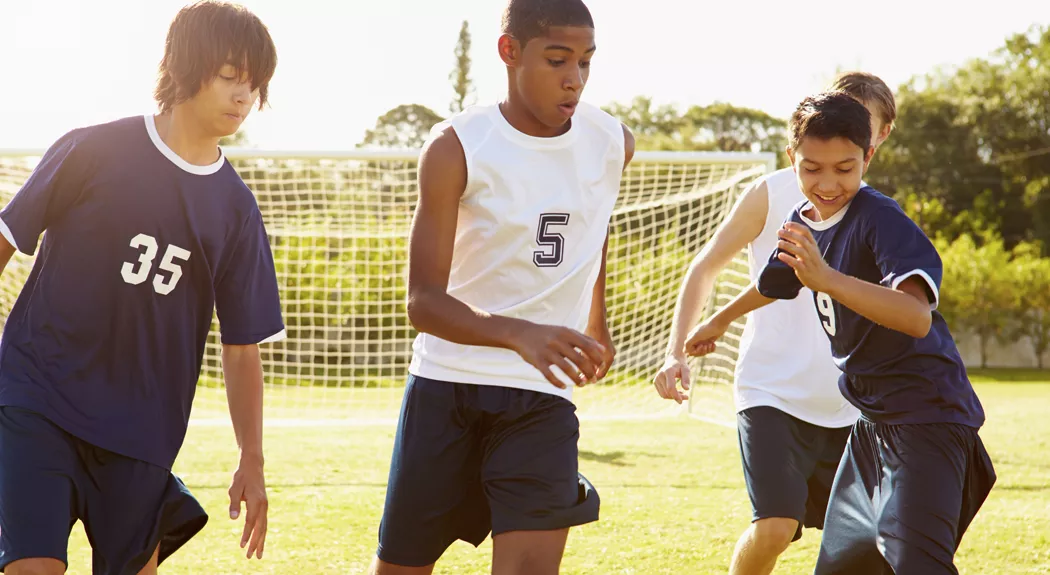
(35, 566)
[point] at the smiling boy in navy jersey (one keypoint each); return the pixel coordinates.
(915, 471)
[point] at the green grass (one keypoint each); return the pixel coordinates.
(673, 499)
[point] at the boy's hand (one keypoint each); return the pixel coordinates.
(803, 255)
(249, 487)
(601, 334)
(675, 369)
(575, 354)
(702, 339)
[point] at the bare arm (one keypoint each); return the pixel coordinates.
(597, 320)
(442, 180)
(702, 339)
(6, 252)
(742, 226)
(243, 373)
(905, 309)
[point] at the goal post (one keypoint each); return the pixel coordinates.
(338, 223)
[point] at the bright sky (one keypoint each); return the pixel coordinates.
(342, 63)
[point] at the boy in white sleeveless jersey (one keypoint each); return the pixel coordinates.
(792, 420)
(507, 289)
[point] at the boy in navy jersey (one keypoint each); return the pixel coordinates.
(915, 471)
(506, 286)
(148, 230)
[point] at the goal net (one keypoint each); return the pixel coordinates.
(338, 224)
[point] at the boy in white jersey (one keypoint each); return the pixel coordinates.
(792, 420)
(507, 289)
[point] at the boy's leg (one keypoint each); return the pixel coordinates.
(531, 479)
(135, 514)
(37, 463)
(925, 472)
(434, 492)
(781, 455)
(848, 545)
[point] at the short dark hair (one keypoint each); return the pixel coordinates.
(528, 19)
(827, 115)
(203, 38)
(869, 89)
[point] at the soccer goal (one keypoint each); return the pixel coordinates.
(339, 223)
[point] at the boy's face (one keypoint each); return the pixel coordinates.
(829, 171)
(552, 70)
(225, 102)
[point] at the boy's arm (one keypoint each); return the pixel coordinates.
(702, 339)
(597, 320)
(904, 307)
(442, 180)
(742, 226)
(6, 251)
(243, 375)
(248, 305)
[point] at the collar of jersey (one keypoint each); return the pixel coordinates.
(528, 141)
(823, 224)
(151, 128)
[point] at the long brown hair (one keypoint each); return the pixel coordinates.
(203, 38)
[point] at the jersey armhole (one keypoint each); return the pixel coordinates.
(468, 157)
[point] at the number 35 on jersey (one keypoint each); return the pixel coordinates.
(136, 273)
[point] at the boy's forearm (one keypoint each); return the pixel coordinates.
(441, 315)
(748, 301)
(690, 306)
(242, 369)
(597, 317)
(885, 306)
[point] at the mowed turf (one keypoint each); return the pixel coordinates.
(673, 498)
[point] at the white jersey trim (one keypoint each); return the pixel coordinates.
(151, 128)
(929, 281)
(10, 237)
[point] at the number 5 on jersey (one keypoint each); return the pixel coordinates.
(826, 307)
(135, 276)
(552, 242)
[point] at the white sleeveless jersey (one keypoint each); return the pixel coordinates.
(532, 222)
(785, 357)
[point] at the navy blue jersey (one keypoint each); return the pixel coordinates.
(890, 376)
(140, 249)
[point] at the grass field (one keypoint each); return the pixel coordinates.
(673, 499)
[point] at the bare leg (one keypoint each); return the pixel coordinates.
(528, 552)
(380, 567)
(759, 547)
(35, 566)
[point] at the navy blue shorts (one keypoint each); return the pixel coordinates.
(470, 459)
(903, 497)
(49, 479)
(789, 465)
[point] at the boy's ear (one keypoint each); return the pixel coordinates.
(791, 157)
(509, 50)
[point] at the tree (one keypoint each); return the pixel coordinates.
(977, 291)
(734, 129)
(406, 126)
(720, 126)
(460, 76)
(1030, 309)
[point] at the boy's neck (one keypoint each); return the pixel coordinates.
(518, 116)
(180, 132)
